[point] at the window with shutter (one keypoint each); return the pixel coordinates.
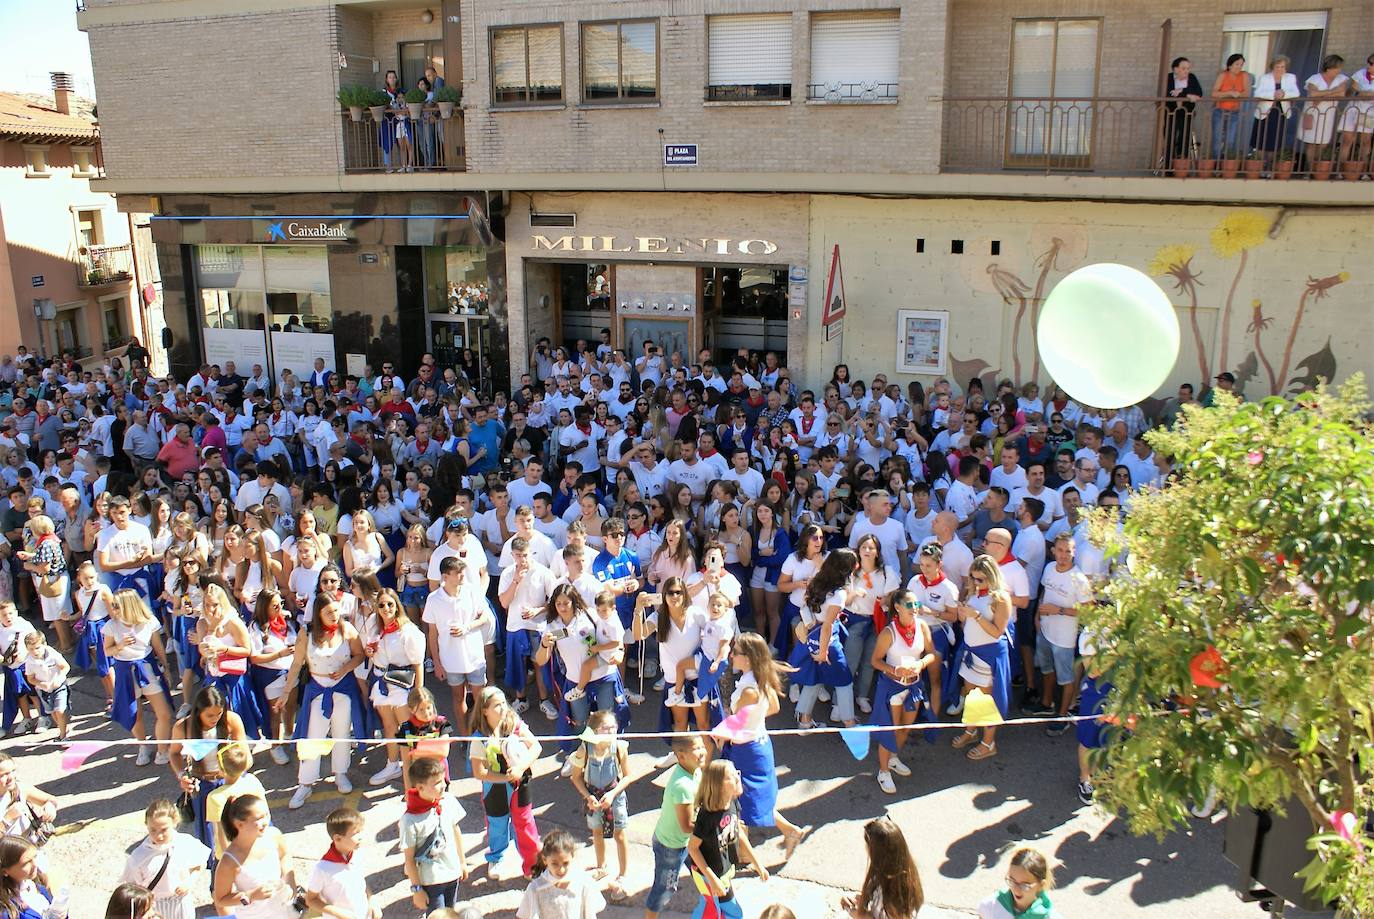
(620, 61)
(527, 65)
(854, 56)
(749, 57)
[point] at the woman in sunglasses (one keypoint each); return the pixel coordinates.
(984, 660)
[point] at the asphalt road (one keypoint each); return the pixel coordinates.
(960, 817)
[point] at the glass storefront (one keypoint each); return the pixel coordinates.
(457, 303)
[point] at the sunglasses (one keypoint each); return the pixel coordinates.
(674, 593)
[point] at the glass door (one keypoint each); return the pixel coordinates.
(1053, 84)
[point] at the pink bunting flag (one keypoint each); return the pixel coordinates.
(736, 728)
(77, 753)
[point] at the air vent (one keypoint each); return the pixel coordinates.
(553, 220)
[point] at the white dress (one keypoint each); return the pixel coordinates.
(1319, 119)
(257, 872)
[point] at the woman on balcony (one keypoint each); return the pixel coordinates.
(394, 132)
(424, 152)
(1319, 117)
(1230, 87)
(1183, 91)
(1274, 90)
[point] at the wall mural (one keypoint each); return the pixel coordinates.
(1233, 238)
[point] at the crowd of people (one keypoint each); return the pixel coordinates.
(248, 565)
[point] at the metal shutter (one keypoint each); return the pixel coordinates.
(749, 49)
(855, 47)
(1273, 22)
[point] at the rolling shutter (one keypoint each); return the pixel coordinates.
(855, 47)
(749, 49)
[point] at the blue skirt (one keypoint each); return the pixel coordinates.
(15, 686)
(90, 648)
(188, 652)
(129, 676)
(238, 693)
(782, 643)
(882, 709)
(708, 680)
(759, 776)
(202, 828)
(998, 657)
(835, 672)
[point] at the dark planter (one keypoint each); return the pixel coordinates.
(1269, 850)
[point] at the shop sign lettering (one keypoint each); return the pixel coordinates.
(654, 245)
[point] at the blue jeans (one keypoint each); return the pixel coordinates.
(441, 895)
(858, 650)
(604, 693)
(667, 869)
(1225, 132)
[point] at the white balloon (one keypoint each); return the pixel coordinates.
(1108, 335)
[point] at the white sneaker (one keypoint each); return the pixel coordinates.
(650, 668)
(299, 798)
(145, 755)
(44, 723)
(574, 694)
(279, 755)
(825, 695)
(957, 708)
(675, 698)
(886, 784)
(520, 706)
(794, 694)
(636, 698)
(343, 783)
(898, 767)
(549, 709)
(567, 769)
(162, 759)
(865, 706)
(429, 666)
(390, 772)
(659, 684)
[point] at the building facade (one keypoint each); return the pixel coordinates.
(741, 173)
(76, 273)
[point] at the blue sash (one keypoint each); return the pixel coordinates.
(129, 676)
(348, 687)
(997, 656)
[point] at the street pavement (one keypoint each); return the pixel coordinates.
(961, 819)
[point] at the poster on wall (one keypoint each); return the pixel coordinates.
(296, 351)
(245, 347)
(922, 341)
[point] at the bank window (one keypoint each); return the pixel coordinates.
(456, 280)
(298, 289)
(749, 57)
(232, 293)
(620, 61)
(854, 56)
(35, 161)
(527, 65)
(113, 311)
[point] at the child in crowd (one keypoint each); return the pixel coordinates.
(92, 603)
(1092, 696)
(713, 655)
(423, 732)
(337, 887)
(168, 863)
(891, 887)
(717, 842)
(46, 672)
(610, 634)
(19, 696)
(235, 760)
(674, 827)
(601, 773)
(430, 837)
(558, 890)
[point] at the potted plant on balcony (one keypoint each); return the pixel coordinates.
(415, 102)
(1182, 166)
(1321, 168)
(1352, 169)
(377, 102)
(95, 276)
(1230, 166)
(447, 97)
(354, 98)
(1254, 164)
(1283, 165)
(1206, 168)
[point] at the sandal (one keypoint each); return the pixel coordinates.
(984, 750)
(614, 892)
(964, 739)
(790, 841)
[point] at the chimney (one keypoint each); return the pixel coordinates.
(62, 91)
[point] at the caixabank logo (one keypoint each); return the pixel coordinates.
(297, 231)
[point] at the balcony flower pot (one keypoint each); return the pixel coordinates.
(415, 108)
(355, 112)
(1351, 170)
(1321, 170)
(1182, 167)
(378, 113)
(1230, 168)
(1283, 169)
(1254, 168)
(448, 98)
(1206, 168)
(446, 110)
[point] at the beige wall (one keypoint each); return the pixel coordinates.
(883, 273)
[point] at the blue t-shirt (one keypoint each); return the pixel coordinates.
(608, 567)
(485, 435)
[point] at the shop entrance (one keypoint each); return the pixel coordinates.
(745, 308)
(457, 306)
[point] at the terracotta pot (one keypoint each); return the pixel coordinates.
(415, 108)
(1321, 170)
(1283, 169)
(378, 113)
(1205, 168)
(1182, 168)
(1253, 168)
(355, 112)
(1352, 170)
(445, 110)
(1230, 169)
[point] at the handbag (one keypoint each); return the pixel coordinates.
(41, 829)
(186, 807)
(81, 624)
(401, 677)
(52, 587)
(11, 653)
(232, 666)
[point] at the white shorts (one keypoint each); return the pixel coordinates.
(54, 607)
(384, 693)
(1356, 120)
(759, 580)
(153, 688)
(977, 672)
(489, 632)
(277, 688)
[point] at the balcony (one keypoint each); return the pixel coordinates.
(371, 142)
(97, 266)
(851, 92)
(1142, 137)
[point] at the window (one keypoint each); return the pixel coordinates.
(231, 286)
(35, 161)
(68, 327)
(1263, 36)
(749, 57)
(854, 56)
(88, 229)
(252, 287)
(82, 166)
(620, 61)
(1053, 82)
(527, 65)
(415, 56)
(113, 313)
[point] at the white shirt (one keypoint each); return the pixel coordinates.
(541, 550)
(891, 539)
(341, 884)
(1054, 506)
(1029, 548)
(920, 529)
(651, 482)
(522, 493)
(587, 455)
(1011, 481)
(799, 570)
(696, 476)
(1065, 589)
(962, 500)
(956, 560)
(1014, 573)
(750, 481)
(123, 545)
(1088, 492)
(458, 653)
(533, 592)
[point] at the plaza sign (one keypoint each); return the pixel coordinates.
(654, 245)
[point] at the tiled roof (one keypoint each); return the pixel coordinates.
(32, 116)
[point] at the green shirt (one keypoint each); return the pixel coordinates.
(681, 789)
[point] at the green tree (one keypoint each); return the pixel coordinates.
(1245, 605)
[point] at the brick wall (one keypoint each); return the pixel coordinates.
(241, 95)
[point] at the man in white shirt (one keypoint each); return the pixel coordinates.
(650, 475)
(962, 497)
(749, 479)
(1049, 500)
(456, 615)
(1066, 591)
(256, 491)
(581, 440)
(1141, 462)
(707, 452)
(892, 538)
(958, 557)
(524, 591)
(689, 470)
(460, 543)
(1084, 480)
(549, 523)
(920, 520)
(564, 397)
(523, 490)
(1009, 475)
(493, 527)
(123, 549)
(540, 548)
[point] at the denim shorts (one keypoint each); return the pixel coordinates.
(441, 895)
(620, 815)
(55, 701)
(667, 869)
(1050, 657)
(476, 677)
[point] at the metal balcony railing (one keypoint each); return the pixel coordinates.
(1151, 137)
(391, 140)
(851, 92)
(98, 265)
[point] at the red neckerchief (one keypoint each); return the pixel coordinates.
(1007, 560)
(420, 725)
(23, 414)
(361, 439)
(277, 626)
(1059, 404)
(421, 445)
(585, 430)
(759, 401)
(707, 455)
(334, 855)
(391, 627)
(938, 578)
(982, 592)
(907, 635)
(328, 630)
(868, 578)
(418, 805)
(638, 533)
(806, 422)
